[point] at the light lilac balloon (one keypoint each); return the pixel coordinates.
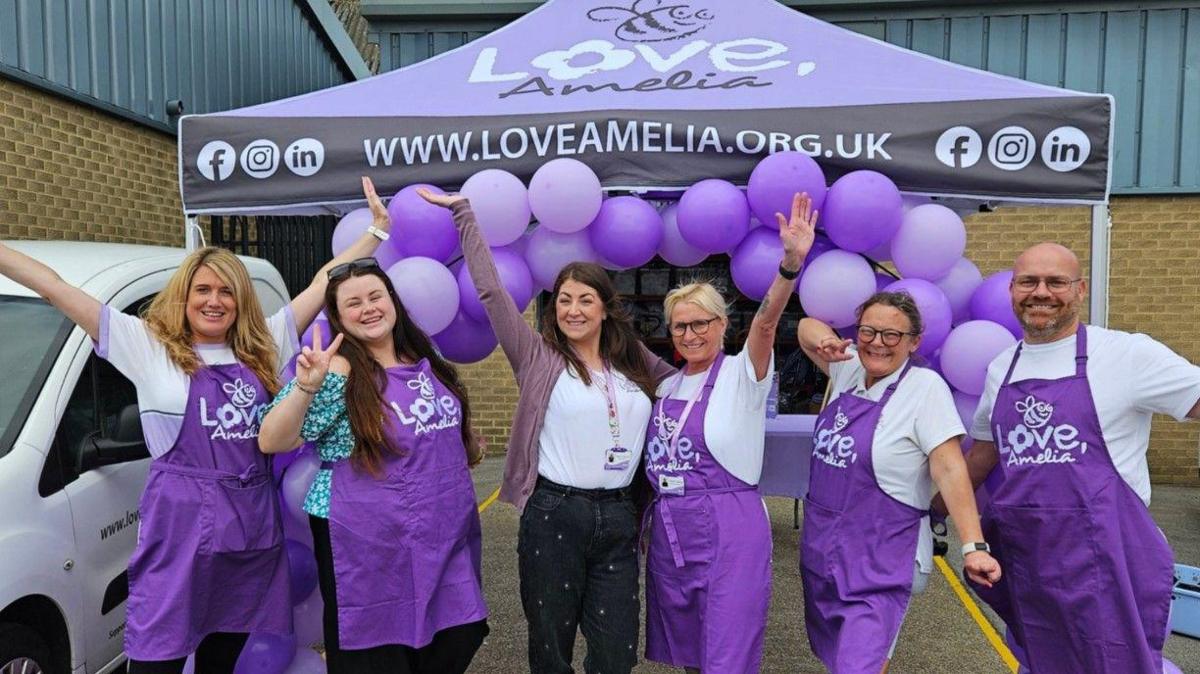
(626, 232)
(713, 215)
(266, 653)
(776, 180)
(673, 248)
(992, 301)
(862, 210)
(754, 264)
(501, 205)
(295, 520)
(296, 481)
(419, 228)
(306, 661)
(968, 351)
(834, 286)
(466, 340)
(307, 621)
(428, 291)
(966, 404)
(549, 251)
(930, 240)
(564, 195)
(350, 228)
(1170, 667)
(514, 274)
(935, 311)
(959, 284)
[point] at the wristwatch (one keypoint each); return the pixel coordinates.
(378, 233)
(978, 546)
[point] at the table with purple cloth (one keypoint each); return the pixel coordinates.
(786, 455)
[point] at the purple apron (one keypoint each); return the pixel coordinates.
(858, 544)
(1087, 574)
(709, 565)
(209, 554)
(407, 544)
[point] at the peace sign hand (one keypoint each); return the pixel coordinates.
(379, 213)
(313, 364)
(797, 232)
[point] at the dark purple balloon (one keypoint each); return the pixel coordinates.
(883, 280)
(777, 179)
(626, 232)
(420, 228)
(821, 245)
(466, 340)
(992, 301)
(935, 311)
(713, 215)
(514, 274)
(303, 568)
(755, 263)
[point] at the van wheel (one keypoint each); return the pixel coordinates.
(22, 651)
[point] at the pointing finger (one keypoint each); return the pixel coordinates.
(333, 345)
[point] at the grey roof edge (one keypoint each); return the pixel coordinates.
(339, 39)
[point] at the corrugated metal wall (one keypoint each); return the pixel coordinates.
(138, 54)
(1148, 59)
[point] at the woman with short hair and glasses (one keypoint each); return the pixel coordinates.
(888, 433)
(708, 569)
(395, 528)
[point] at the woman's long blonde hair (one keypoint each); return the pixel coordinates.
(248, 336)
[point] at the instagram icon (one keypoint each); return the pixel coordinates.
(1012, 148)
(260, 159)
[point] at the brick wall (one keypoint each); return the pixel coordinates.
(71, 172)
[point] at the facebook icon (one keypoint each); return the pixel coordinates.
(216, 160)
(959, 147)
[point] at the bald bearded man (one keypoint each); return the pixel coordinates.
(1066, 413)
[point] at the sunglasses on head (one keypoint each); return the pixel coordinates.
(345, 268)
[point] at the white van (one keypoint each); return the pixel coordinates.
(73, 460)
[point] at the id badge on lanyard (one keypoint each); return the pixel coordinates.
(616, 457)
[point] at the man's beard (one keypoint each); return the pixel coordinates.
(1052, 326)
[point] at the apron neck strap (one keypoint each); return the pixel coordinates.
(887, 393)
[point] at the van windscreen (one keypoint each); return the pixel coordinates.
(31, 334)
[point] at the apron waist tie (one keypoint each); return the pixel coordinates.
(669, 524)
(214, 474)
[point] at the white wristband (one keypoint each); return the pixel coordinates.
(975, 547)
(378, 233)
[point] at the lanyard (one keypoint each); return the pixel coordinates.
(610, 396)
(687, 409)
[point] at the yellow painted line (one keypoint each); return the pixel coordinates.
(489, 500)
(972, 608)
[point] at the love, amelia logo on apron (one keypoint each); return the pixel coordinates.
(1036, 441)
(236, 417)
(832, 447)
(680, 459)
(427, 412)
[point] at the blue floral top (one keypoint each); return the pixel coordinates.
(328, 423)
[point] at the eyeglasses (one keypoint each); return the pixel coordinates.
(866, 335)
(699, 327)
(1055, 284)
(345, 268)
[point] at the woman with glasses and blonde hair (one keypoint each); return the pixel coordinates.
(708, 569)
(209, 566)
(888, 433)
(395, 529)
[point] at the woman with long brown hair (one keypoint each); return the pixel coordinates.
(209, 566)
(395, 529)
(586, 385)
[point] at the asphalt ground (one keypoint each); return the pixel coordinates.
(940, 634)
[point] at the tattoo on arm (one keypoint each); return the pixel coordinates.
(762, 308)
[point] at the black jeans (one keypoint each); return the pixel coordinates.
(217, 654)
(450, 652)
(577, 553)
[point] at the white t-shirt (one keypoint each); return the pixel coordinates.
(918, 418)
(162, 388)
(735, 426)
(575, 436)
(1131, 376)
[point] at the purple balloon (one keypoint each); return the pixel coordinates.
(863, 209)
(501, 205)
(295, 484)
(517, 246)
(564, 195)
(549, 251)
(834, 286)
(428, 290)
(515, 276)
(419, 228)
(673, 248)
(293, 526)
(626, 233)
(466, 340)
(777, 179)
(968, 351)
(992, 301)
(930, 240)
(326, 332)
(350, 228)
(934, 308)
(713, 215)
(1170, 667)
(307, 661)
(821, 245)
(753, 265)
(959, 284)
(307, 621)
(266, 654)
(849, 332)
(881, 253)
(303, 567)
(966, 403)
(280, 462)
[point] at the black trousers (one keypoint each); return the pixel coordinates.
(217, 654)
(577, 554)
(450, 652)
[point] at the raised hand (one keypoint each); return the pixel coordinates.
(443, 200)
(832, 349)
(982, 568)
(379, 212)
(313, 363)
(798, 232)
